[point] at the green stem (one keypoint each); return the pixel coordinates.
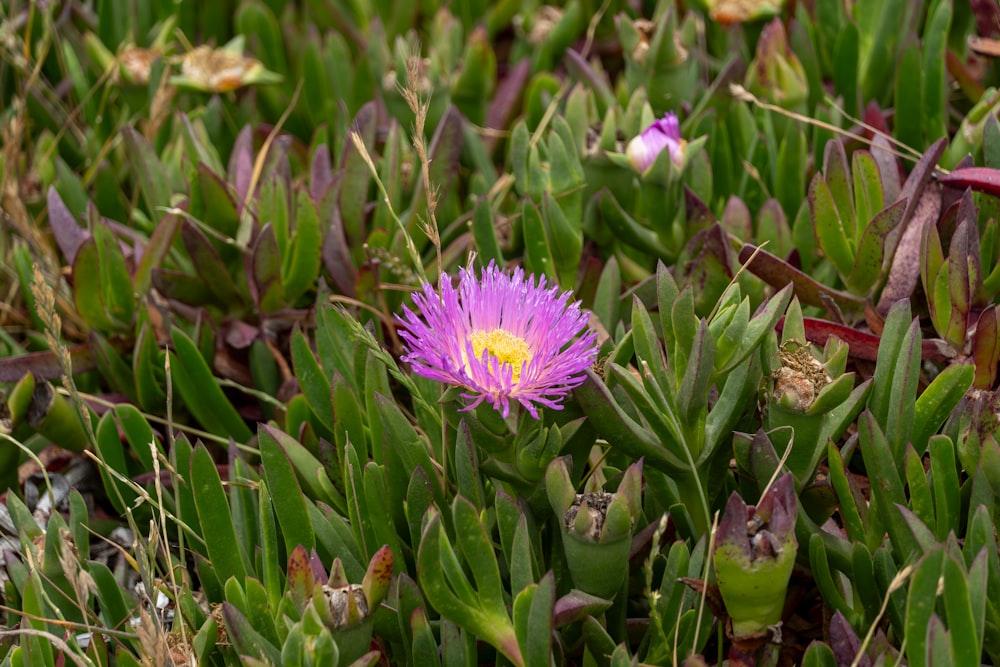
(692, 494)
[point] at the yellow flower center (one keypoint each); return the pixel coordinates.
(503, 347)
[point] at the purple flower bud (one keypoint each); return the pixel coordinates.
(662, 134)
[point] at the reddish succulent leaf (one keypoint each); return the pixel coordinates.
(736, 219)
(321, 175)
(980, 179)
(506, 100)
(69, 234)
(888, 167)
(316, 565)
(778, 273)
(575, 605)
(875, 118)
(869, 258)
(301, 578)
(241, 165)
(986, 348)
(45, 365)
(336, 253)
(581, 70)
(906, 262)
(445, 151)
(354, 184)
(862, 344)
(378, 576)
(916, 183)
(699, 215)
(845, 642)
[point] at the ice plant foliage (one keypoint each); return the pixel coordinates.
(502, 336)
(664, 133)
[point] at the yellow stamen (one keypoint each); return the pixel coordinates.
(503, 347)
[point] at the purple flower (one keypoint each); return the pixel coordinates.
(664, 133)
(501, 337)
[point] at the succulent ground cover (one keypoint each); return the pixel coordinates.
(426, 333)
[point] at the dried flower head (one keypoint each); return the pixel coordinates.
(221, 70)
(665, 133)
(501, 336)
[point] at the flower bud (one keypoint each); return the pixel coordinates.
(665, 133)
(776, 73)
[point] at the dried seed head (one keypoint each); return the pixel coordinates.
(594, 507)
(348, 605)
(799, 380)
(543, 22)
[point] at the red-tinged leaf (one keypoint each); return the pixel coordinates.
(246, 640)
(379, 575)
(321, 175)
(240, 171)
(354, 184)
(980, 179)
(986, 348)
(575, 605)
(940, 645)
(888, 167)
(868, 259)
(506, 100)
(45, 365)
(845, 643)
(960, 272)
(319, 572)
(906, 263)
(67, 231)
(265, 271)
(581, 70)
(444, 152)
(300, 577)
(736, 220)
(336, 252)
(772, 226)
(778, 273)
(862, 345)
(921, 174)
